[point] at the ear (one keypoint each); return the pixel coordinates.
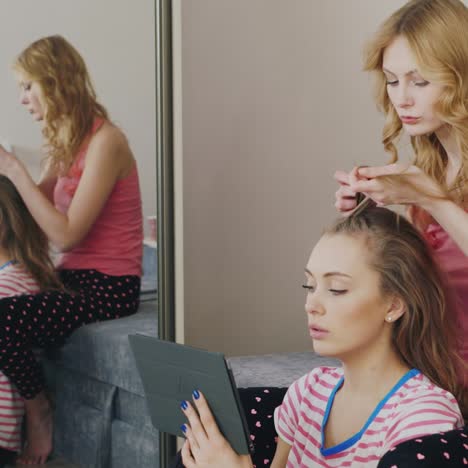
(395, 310)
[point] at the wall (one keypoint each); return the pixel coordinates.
(273, 101)
(116, 39)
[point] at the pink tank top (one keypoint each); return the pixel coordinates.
(454, 263)
(114, 244)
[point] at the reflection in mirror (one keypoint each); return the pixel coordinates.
(100, 419)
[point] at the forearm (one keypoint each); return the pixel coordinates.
(52, 222)
(246, 462)
(452, 218)
(47, 183)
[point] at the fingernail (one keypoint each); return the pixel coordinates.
(196, 394)
(184, 429)
(184, 405)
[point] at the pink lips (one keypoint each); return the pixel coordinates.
(409, 120)
(317, 333)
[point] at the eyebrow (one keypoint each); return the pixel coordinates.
(411, 72)
(330, 273)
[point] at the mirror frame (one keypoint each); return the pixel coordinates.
(165, 193)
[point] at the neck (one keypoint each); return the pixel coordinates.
(373, 375)
(4, 256)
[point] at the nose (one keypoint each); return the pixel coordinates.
(23, 97)
(313, 305)
(404, 97)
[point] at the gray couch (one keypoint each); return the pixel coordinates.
(100, 416)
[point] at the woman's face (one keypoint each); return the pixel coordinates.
(411, 95)
(31, 97)
(346, 311)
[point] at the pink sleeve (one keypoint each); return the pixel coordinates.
(423, 414)
(287, 414)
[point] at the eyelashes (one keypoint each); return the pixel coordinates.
(335, 292)
(420, 84)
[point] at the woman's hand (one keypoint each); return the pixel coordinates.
(411, 187)
(9, 163)
(345, 196)
(205, 446)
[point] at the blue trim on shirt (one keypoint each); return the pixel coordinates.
(10, 262)
(356, 437)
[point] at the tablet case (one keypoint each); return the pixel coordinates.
(170, 372)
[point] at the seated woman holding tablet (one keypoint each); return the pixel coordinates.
(376, 301)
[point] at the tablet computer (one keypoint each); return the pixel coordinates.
(170, 372)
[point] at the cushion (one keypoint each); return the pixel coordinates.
(446, 450)
(102, 351)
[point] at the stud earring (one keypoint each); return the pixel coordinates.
(389, 319)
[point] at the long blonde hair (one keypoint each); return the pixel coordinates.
(437, 34)
(23, 239)
(425, 336)
(70, 102)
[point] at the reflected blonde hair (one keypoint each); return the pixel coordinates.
(68, 96)
(425, 336)
(437, 34)
(23, 239)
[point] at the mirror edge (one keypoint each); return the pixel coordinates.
(165, 192)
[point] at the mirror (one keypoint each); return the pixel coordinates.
(104, 424)
(120, 55)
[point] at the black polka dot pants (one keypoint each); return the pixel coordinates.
(47, 319)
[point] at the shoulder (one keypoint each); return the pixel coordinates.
(324, 374)
(319, 381)
(420, 390)
(420, 407)
(16, 279)
(109, 145)
(108, 136)
(306, 398)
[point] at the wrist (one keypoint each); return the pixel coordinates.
(16, 172)
(434, 205)
(432, 196)
(247, 461)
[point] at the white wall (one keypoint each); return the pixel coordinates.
(116, 39)
(273, 102)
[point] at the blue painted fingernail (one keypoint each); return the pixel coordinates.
(184, 429)
(196, 394)
(184, 405)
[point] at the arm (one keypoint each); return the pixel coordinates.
(107, 157)
(413, 188)
(452, 218)
(281, 455)
(47, 182)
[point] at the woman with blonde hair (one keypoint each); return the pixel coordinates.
(376, 301)
(419, 57)
(88, 204)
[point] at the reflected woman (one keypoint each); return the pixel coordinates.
(88, 204)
